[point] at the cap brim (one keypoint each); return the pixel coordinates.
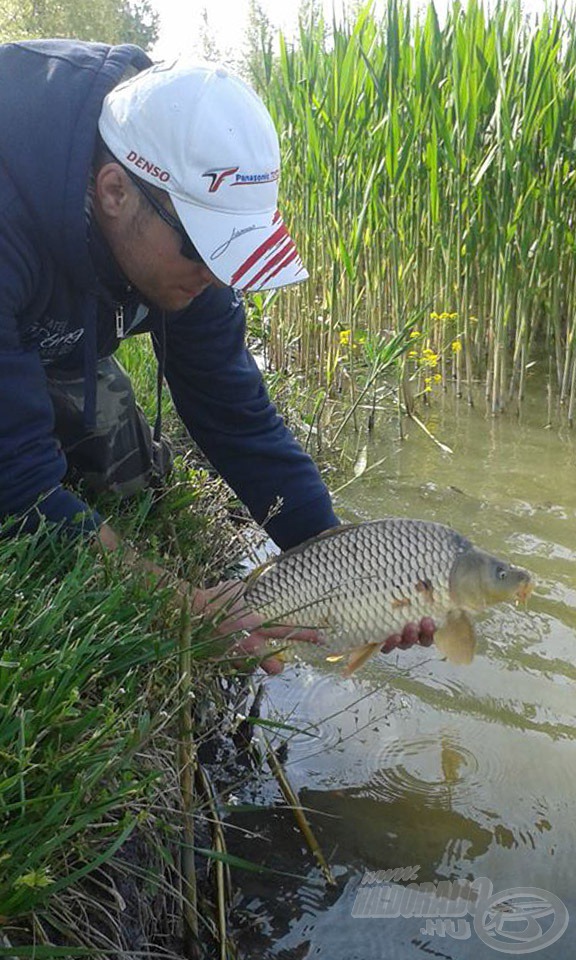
(245, 251)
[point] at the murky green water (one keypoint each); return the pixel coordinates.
(465, 771)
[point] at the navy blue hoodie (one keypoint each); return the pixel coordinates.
(55, 308)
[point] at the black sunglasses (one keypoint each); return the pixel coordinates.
(187, 249)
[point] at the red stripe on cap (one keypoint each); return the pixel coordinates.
(282, 258)
(293, 255)
(259, 252)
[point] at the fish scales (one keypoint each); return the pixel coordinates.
(361, 583)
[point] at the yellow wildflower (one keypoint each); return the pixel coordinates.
(414, 333)
(345, 337)
(437, 378)
(36, 878)
(456, 346)
(434, 316)
(429, 357)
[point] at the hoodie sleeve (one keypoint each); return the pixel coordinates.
(221, 397)
(32, 463)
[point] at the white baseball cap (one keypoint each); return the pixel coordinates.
(203, 135)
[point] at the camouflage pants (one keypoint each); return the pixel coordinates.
(119, 454)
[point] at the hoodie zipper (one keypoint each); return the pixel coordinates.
(119, 315)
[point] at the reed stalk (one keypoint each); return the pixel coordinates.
(291, 798)
(187, 765)
(431, 162)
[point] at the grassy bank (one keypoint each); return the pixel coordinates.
(429, 170)
(105, 690)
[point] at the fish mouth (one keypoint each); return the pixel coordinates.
(524, 591)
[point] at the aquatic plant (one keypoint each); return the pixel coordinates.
(431, 165)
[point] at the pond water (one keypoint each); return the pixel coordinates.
(462, 772)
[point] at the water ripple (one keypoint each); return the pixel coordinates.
(437, 769)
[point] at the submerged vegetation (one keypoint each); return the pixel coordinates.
(430, 170)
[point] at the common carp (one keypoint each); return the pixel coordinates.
(359, 584)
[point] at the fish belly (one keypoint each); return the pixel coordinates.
(356, 608)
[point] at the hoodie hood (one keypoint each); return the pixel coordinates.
(57, 88)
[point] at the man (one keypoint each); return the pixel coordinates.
(138, 198)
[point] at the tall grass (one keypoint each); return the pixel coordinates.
(91, 692)
(75, 711)
(431, 166)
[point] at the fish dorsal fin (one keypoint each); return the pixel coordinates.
(294, 551)
(456, 638)
(325, 535)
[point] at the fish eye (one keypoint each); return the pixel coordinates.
(501, 572)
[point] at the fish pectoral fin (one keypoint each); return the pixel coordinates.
(359, 656)
(456, 639)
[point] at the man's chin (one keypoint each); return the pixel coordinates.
(173, 302)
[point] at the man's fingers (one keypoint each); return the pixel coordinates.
(252, 623)
(304, 634)
(279, 631)
(250, 645)
(227, 601)
(427, 631)
(391, 642)
(410, 636)
(272, 666)
(254, 646)
(412, 632)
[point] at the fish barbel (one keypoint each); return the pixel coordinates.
(360, 583)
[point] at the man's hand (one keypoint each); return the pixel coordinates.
(422, 633)
(225, 603)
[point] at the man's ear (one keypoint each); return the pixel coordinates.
(112, 190)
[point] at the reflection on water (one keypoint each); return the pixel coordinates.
(465, 771)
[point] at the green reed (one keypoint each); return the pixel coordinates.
(431, 165)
